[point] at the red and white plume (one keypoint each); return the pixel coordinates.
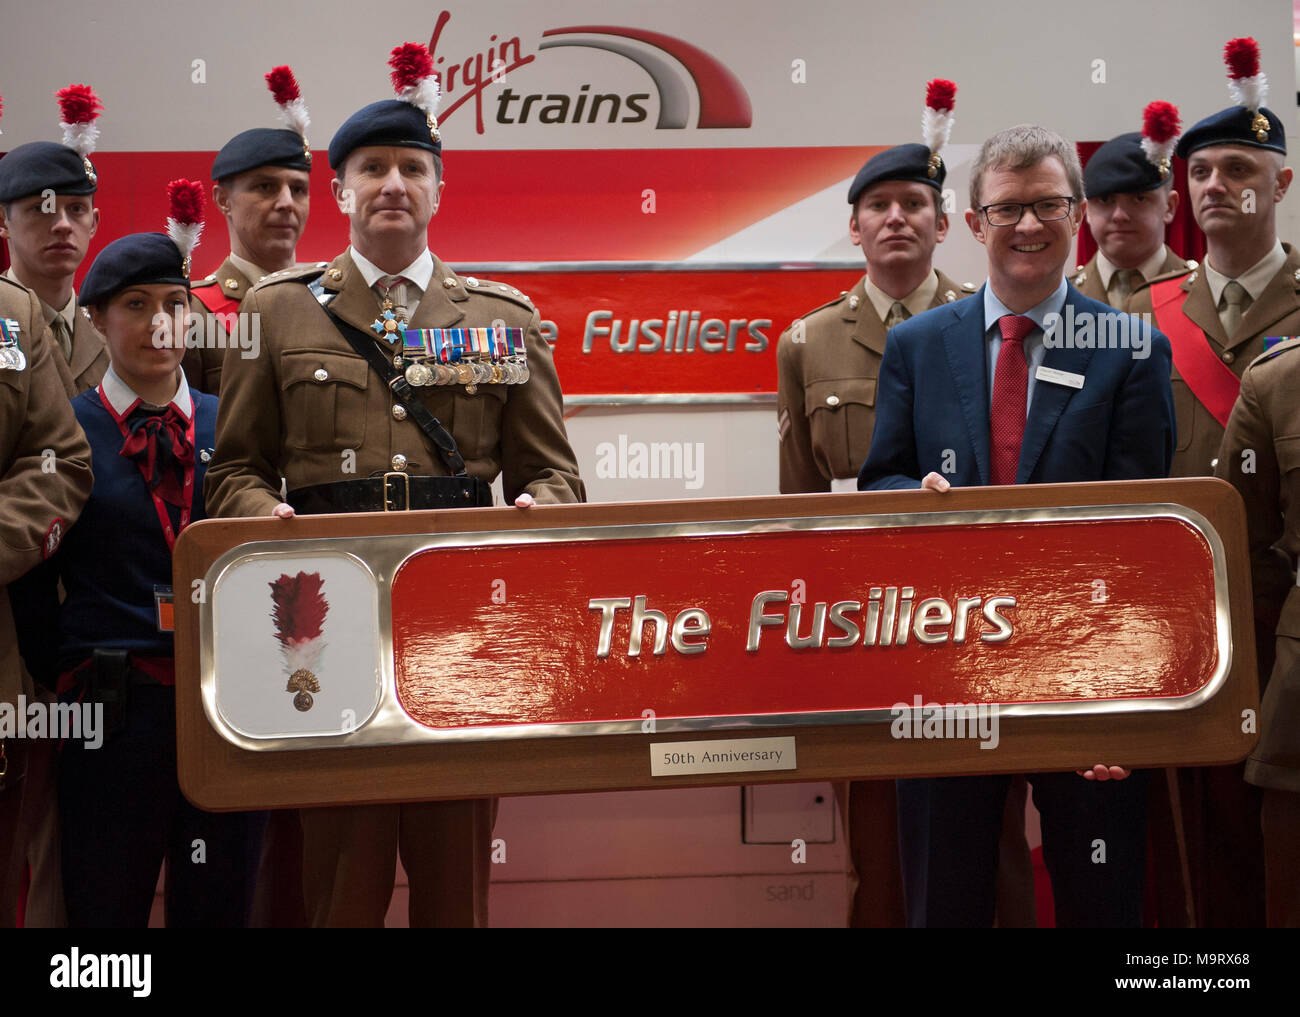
(1247, 84)
(298, 610)
(1160, 127)
(414, 80)
(79, 108)
(293, 111)
(185, 216)
(937, 120)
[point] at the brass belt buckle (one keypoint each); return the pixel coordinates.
(405, 489)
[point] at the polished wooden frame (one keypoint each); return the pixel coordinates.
(215, 774)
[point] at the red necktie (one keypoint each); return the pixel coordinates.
(1010, 398)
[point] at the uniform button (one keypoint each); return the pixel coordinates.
(399, 412)
(399, 461)
(449, 282)
(832, 400)
(471, 281)
(321, 374)
(1229, 357)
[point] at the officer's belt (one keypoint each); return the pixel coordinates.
(393, 492)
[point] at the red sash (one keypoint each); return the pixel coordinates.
(1213, 382)
(214, 298)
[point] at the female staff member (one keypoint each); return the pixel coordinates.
(122, 811)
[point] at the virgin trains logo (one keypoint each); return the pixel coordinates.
(683, 75)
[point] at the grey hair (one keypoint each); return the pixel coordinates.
(1021, 147)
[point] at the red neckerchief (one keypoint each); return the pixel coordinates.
(140, 442)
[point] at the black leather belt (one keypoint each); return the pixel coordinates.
(393, 492)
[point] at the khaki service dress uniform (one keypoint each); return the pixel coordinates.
(1260, 457)
(1221, 811)
(1088, 278)
(222, 292)
(89, 359)
(292, 412)
(39, 505)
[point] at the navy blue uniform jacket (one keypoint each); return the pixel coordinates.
(932, 407)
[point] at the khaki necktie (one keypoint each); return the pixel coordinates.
(1232, 305)
(897, 314)
(1122, 284)
(62, 336)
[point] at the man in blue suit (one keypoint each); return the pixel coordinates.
(1029, 382)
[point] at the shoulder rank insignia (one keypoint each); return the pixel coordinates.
(12, 357)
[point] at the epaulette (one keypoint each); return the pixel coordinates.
(969, 287)
(492, 289)
(198, 284)
(853, 301)
(9, 282)
(299, 273)
(1176, 273)
(1291, 344)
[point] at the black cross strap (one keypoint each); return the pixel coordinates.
(364, 344)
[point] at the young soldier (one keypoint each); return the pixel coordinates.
(47, 216)
(1131, 199)
(263, 188)
(320, 390)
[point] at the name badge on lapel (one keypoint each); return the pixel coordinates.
(1059, 377)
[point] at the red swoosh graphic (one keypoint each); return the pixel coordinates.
(723, 99)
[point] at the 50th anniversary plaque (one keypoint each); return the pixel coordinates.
(495, 651)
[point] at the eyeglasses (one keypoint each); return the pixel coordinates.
(1008, 213)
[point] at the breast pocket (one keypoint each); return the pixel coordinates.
(476, 421)
(324, 399)
(841, 414)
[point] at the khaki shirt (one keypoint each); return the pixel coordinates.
(38, 502)
(1087, 278)
(1275, 313)
(826, 387)
(310, 410)
(1260, 457)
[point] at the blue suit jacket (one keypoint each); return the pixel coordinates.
(932, 407)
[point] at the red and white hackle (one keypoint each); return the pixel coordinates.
(293, 110)
(937, 119)
(1160, 127)
(415, 82)
(185, 217)
(79, 108)
(1247, 84)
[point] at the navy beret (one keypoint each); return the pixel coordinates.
(31, 168)
(387, 122)
(1234, 126)
(262, 146)
(1120, 167)
(902, 162)
(137, 259)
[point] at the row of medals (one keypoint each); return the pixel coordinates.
(512, 371)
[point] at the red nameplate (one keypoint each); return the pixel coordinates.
(638, 332)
